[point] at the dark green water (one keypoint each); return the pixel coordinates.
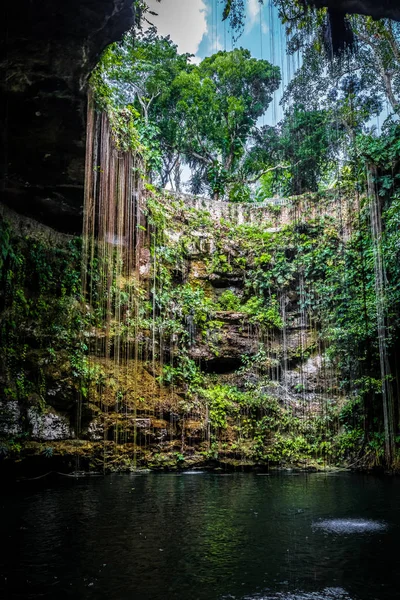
(203, 537)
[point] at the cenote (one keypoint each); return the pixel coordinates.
(204, 537)
(200, 299)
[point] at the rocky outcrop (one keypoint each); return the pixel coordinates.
(222, 348)
(42, 425)
(10, 418)
(48, 425)
(47, 53)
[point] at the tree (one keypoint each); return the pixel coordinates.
(353, 86)
(301, 15)
(295, 156)
(201, 115)
(219, 103)
(366, 44)
(381, 43)
(374, 61)
(140, 71)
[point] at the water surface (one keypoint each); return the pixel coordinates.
(203, 537)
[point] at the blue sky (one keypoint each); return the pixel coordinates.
(197, 27)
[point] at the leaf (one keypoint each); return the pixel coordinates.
(227, 10)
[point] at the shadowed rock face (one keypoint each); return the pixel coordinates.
(47, 50)
(47, 53)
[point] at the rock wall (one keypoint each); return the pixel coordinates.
(179, 379)
(238, 334)
(277, 211)
(47, 52)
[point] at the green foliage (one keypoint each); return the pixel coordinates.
(220, 102)
(299, 152)
(288, 449)
(263, 313)
(186, 373)
(348, 443)
(40, 308)
(220, 402)
(175, 112)
(229, 301)
(48, 452)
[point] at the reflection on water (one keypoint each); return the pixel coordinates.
(209, 537)
(326, 594)
(346, 526)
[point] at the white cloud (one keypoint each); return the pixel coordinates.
(184, 20)
(254, 8)
(253, 11)
(215, 45)
(196, 60)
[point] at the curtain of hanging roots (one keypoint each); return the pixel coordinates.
(380, 294)
(112, 238)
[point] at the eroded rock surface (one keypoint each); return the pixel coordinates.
(48, 425)
(47, 53)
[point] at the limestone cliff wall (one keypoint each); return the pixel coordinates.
(121, 399)
(47, 52)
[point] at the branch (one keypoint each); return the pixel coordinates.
(255, 179)
(154, 96)
(392, 42)
(168, 168)
(210, 158)
(202, 158)
(386, 76)
(227, 10)
(290, 19)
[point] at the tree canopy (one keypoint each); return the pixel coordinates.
(200, 115)
(205, 117)
(219, 103)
